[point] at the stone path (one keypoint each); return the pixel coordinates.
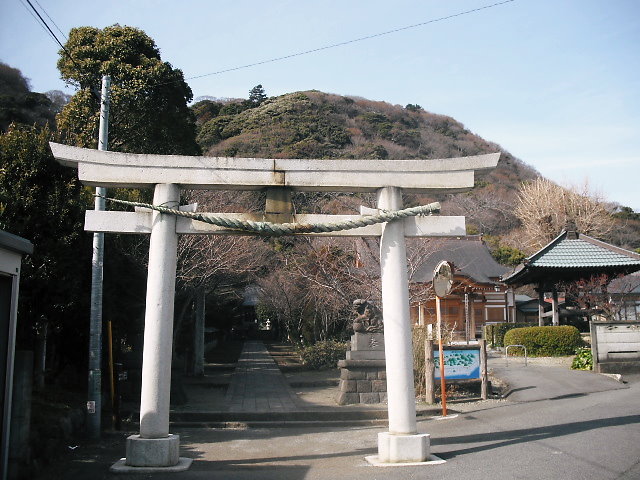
(257, 385)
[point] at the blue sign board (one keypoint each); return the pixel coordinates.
(459, 364)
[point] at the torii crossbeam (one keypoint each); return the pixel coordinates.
(167, 174)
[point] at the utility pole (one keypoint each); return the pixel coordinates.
(94, 401)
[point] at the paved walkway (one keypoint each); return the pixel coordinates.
(257, 385)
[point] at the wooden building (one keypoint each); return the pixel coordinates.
(570, 257)
(478, 297)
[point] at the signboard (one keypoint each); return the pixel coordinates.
(459, 364)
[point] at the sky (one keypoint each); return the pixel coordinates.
(554, 82)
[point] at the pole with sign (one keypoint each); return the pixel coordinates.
(442, 283)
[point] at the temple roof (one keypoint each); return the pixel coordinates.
(571, 256)
(470, 257)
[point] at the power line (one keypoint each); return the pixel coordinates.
(52, 21)
(347, 42)
(36, 19)
(46, 26)
(285, 57)
(48, 29)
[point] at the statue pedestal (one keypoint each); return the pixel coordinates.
(363, 376)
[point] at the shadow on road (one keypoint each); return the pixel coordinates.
(514, 437)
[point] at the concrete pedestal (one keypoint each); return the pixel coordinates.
(403, 448)
(153, 452)
(147, 455)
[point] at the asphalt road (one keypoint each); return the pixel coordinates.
(555, 424)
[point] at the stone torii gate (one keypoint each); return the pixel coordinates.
(155, 447)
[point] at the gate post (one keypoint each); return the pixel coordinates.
(155, 448)
(401, 443)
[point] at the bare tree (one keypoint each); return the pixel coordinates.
(544, 208)
(601, 295)
(331, 279)
(489, 210)
(216, 264)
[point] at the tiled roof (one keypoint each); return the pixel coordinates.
(571, 256)
(581, 253)
(470, 257)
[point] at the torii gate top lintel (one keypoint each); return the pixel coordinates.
(127, 170)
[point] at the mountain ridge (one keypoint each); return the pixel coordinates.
(313, 124)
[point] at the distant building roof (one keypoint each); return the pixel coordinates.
(524, 298)
(571, 256)
(470, 257)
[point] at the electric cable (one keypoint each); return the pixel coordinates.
(347, 42)
(52, 20)
(57, 40)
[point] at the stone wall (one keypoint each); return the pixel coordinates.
(362, 381)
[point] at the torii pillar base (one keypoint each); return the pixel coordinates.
(403, 448)
(152, 455)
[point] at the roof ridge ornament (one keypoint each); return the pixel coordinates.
(572, 229)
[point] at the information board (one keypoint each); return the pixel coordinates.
(459, 364)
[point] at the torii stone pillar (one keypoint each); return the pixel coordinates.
(155, 448)
(401, 443)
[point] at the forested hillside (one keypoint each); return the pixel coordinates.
(313, 124)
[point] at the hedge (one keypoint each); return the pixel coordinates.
(545, 341)
(494, 334)
(324, 354)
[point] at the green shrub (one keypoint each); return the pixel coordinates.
(324, 354)
(583, 359)
(494, 334)
(545, 341)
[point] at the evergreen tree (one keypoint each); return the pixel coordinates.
(257, 95)
(149, 97)
(43, 202)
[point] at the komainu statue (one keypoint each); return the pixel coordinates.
(368, 317)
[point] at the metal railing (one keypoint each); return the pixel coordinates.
(506, 353)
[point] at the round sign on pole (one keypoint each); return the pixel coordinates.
(443, 278)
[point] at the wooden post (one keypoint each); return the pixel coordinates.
(112, 380)
(483, 370)
(443, 383)
(467, 319)
(429, 372)
(540, 305)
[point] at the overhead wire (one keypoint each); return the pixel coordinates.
(275, 59)
(347, 42)
(44, 23)
(30, 11)
(52, 21)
